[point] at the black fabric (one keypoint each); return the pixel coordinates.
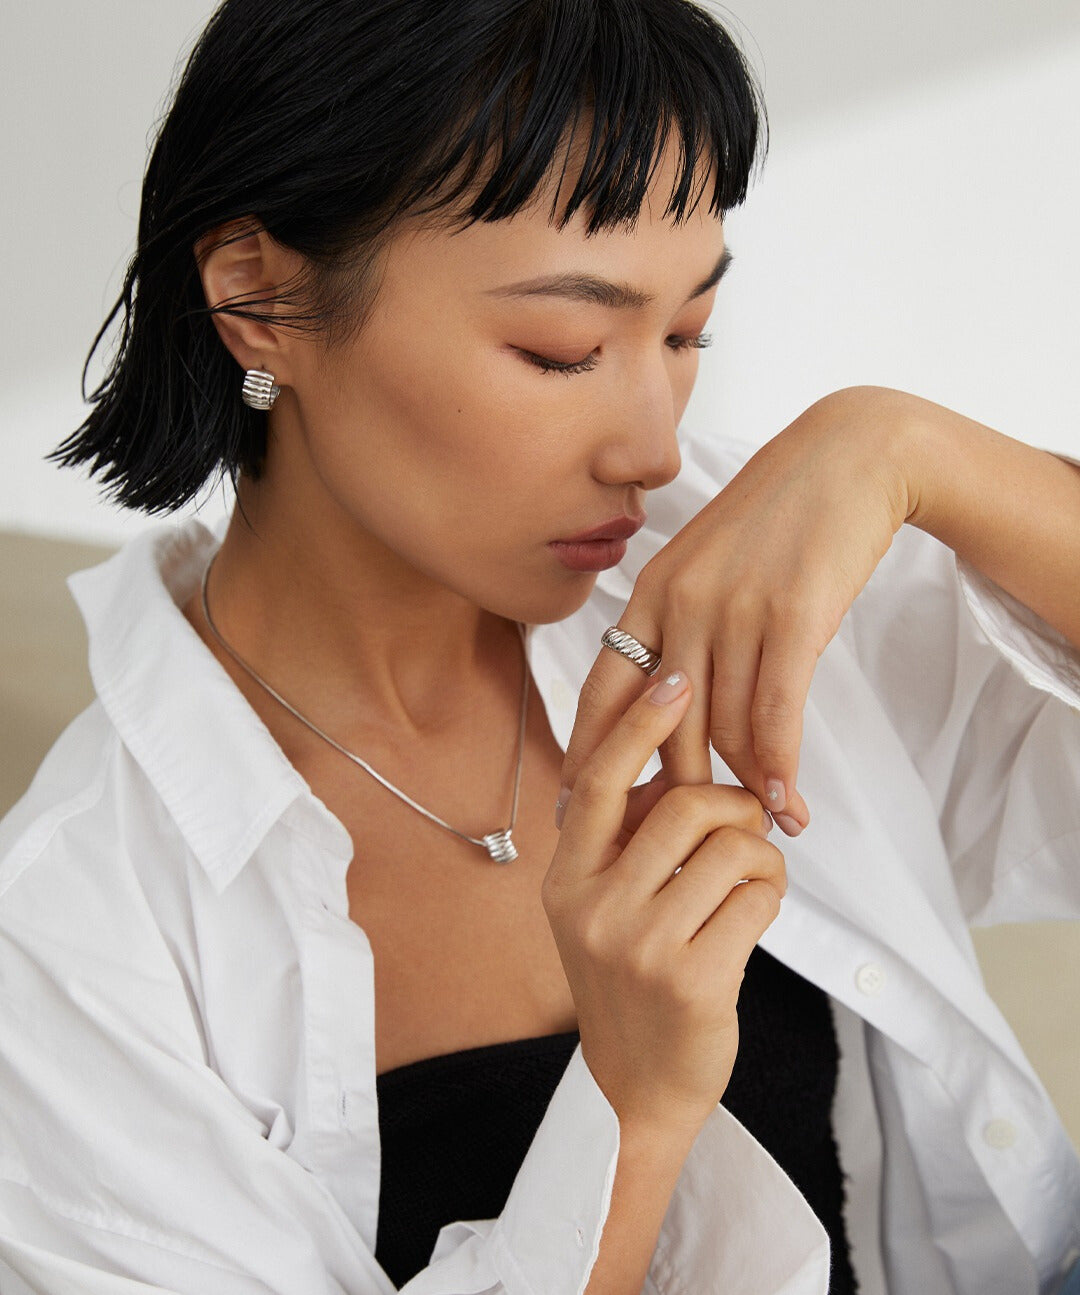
(456, 1128)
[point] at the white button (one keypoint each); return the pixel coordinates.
(999, 1134)
(580, 1237)
(869, 979)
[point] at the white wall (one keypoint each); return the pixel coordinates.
(915, 225)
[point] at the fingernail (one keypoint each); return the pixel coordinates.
(670, 688)
(775, 794)
(560, 806)
(790, 826)
(766, 822)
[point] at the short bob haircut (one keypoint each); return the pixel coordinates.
(326, 122)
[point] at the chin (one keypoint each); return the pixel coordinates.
(540, 605)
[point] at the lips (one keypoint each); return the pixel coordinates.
(618, 528)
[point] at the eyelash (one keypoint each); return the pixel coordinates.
(583, 366)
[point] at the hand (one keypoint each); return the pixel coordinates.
(652, 924)
(748, 594)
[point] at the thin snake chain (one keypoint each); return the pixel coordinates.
(498, 844)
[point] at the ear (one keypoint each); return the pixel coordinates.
(240, 260)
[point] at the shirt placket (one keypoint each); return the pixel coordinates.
(337, 1135)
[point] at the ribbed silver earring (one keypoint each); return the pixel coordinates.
(259, 390)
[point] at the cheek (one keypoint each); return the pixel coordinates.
(422, 442)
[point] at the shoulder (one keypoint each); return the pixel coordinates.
(72, 845)
(83, 856)
(70, 784)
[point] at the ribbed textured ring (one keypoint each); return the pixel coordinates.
(259, 391)
(628, 646)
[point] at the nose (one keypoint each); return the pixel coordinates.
(642, 446)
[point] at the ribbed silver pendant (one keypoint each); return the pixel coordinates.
(501, 847)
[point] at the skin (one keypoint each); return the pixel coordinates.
(412, 483)
(383, 455)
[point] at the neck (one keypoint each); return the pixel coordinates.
(342, 626)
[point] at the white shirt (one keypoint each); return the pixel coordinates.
(187, 1058)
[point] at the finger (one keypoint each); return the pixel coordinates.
(685, 755)
(725, 942)
(725, 858)
(677, 826)
(639, 803)
(776, 716)
(610, 687)
(595, 812)
(736, 658)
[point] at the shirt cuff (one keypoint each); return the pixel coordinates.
(735, 1225)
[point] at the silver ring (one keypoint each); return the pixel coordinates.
(628, 646)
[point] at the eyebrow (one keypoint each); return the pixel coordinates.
(602, 292)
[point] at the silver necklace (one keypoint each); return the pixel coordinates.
(498, 844)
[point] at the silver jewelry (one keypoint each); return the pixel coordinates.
(259, 390)
(628, 646)
(498, 844)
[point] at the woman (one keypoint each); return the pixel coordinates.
(305, 988)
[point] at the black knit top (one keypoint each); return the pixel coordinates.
(455, 1128)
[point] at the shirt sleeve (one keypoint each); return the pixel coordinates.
(735, 1225)
(985, 695)
(128, 1166)
(982, 692)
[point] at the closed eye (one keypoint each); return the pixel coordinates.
(698, 342)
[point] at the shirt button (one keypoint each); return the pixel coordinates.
(869, 979)
(999, 1134)
(580, 1236)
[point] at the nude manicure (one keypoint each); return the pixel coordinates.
(668, 689)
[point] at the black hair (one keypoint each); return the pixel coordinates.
(325, 122)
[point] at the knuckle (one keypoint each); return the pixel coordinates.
(774, 710)
(729, 732)
(742, 607)
(689, 803)
(745, 806)
(729, 841)
(649, 578)
(644, 959)
(591, 785)
(552, 893)
(593, 693)
(591, 932)
(784, 614)
(762, 901)
(685, 592)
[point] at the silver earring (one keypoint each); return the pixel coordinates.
(259, 390)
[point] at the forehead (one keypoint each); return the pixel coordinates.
(652, 252)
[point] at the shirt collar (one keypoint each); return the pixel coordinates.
(213, 762)
(217, 768)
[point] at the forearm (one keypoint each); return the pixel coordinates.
(646, 1172)
(1009, 509)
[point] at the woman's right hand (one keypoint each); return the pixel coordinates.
(654, 958)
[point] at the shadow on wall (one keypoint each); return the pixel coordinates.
(835, 57)
(44, 680)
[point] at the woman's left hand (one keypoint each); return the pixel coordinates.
(747, 595)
